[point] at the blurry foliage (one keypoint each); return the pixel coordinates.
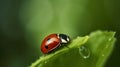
(24, 23)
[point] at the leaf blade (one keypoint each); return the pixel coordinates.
(100, 44)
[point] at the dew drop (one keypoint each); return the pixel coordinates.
(84, 52)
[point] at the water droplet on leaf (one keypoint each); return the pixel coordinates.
(84, 52)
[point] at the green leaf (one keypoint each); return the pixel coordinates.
(88, 51)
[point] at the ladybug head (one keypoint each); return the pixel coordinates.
(64, 38)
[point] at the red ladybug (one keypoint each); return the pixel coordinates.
(53, 41)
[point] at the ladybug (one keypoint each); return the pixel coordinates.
(53, 41)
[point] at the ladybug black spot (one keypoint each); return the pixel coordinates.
(48, 39)
(46, 47)
(56, 34)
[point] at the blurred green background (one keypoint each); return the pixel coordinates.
(24, 23)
